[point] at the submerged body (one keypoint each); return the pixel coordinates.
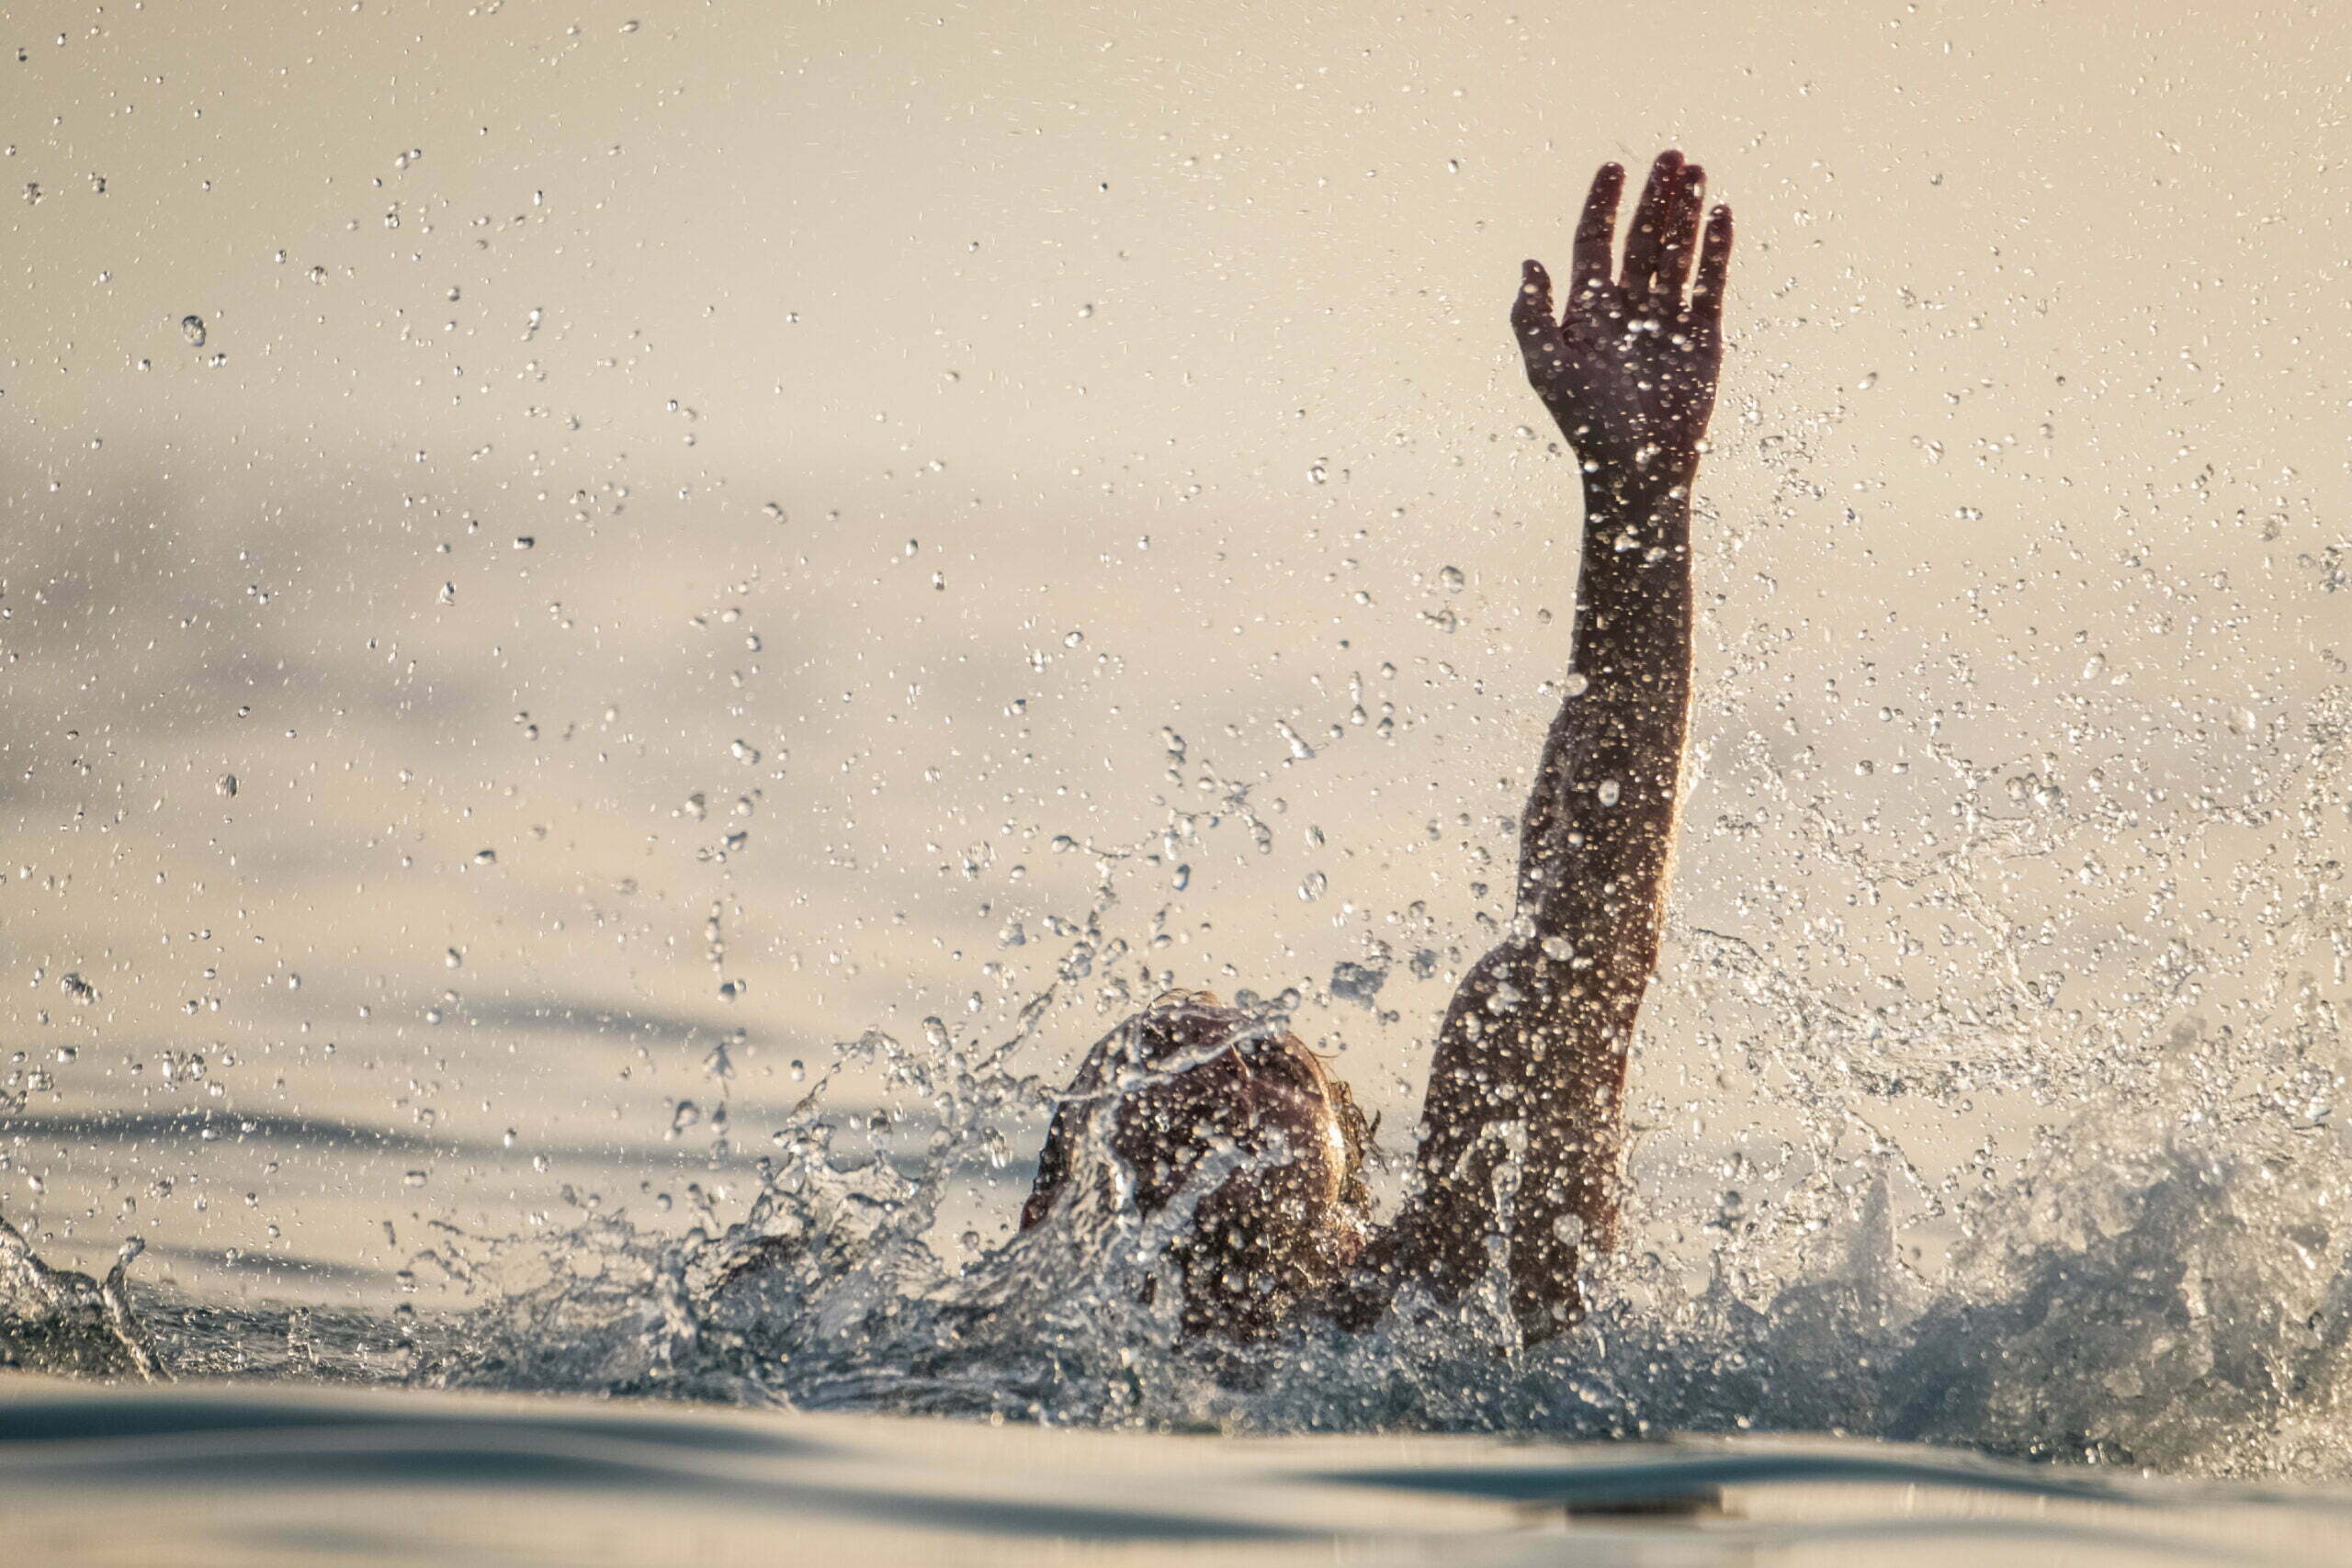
(1523, 1123)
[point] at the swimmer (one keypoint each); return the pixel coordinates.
(1523, 1121)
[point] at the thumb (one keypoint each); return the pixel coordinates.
(1531, 312)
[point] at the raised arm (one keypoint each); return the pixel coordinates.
(1532, 1055)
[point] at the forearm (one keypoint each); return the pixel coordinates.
(1602, 805)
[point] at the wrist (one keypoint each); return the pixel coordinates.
(1648, 479)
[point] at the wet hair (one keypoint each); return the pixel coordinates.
(1188, 1084)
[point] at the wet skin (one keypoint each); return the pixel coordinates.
(1532, 1050)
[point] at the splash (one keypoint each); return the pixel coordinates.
(2160, 1277)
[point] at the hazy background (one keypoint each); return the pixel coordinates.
(877, 431)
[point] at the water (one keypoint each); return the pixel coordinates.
(2146, 1294)
(344, 1477)
(621, 641)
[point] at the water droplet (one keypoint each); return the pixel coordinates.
(192, 329)
(1607, 792)
(227, 784)
(485, 857)
(1450, 579)
(454, 959)
(414, 1179)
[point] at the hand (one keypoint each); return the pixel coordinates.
(1628, 369)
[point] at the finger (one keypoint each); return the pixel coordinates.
(1596, 231)
(1681, 229)
(1714, 268)
(1530, 313)
(1648, 233)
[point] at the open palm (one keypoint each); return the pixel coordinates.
(1628, 367)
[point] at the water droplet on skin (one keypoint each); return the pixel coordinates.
(1576, 685)
(317, 275)
(1313, 888)
(192, 329)
(744, 752)
(485, 857)
(454, 959)
(227, 784)
(1608, 792)
(414, 1179)
(1450, 579)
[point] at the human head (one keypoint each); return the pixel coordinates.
(1189, 1083)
